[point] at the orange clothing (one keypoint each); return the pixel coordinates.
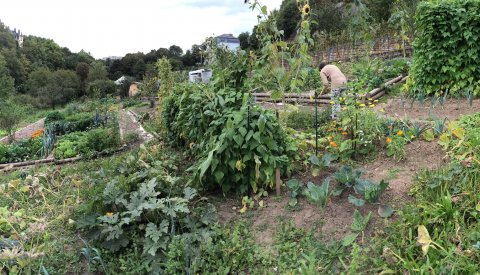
(333, 74)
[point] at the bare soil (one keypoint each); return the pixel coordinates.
(334, 221)
(452, 109)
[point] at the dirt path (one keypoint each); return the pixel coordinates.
(452, 109)
(27, 131)
(128, 124)
(333, 222)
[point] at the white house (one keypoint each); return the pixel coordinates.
(229, 41)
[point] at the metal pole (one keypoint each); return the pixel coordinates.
(316, 125)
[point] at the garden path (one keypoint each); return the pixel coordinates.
(26, 132)
(452, 109)
(129, 124)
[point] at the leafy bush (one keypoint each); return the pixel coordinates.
(23, 150)
(53, 117)
(141, 202)
(446, 49)
(101, 87)
(302, 119)
(237, 147)
(87, 143)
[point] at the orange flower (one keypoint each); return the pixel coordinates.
(37, 133)
(400, 133)
(340, 129)
(333, 144)
(344, 133)
(389, 140)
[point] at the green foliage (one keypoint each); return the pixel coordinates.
(23, 150)
(165, 76)
(100, 88)
(396, 147)
(304, 119)
(88, 143)
(318, 194)
(53, 116)
(446, 49)
(346, 177)
(370, 190)
(10, 116)
(358, 226)
(144, 205)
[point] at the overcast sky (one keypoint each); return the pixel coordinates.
(116, 27)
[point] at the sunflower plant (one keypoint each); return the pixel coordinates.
(281, 66)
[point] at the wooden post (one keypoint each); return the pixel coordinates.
(278, 181)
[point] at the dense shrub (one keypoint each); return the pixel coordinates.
(446, 50)
(23, 150)
(87, 143)
(53, 116)
(100, 88)
(237, 147)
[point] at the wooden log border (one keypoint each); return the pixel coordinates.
(308, 98)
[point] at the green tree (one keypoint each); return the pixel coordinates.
(15, 67)
(6, 37)
(98, 71)
(82, 71)
(43, 53)
(10, 116)
(244, 40)
(53, 88)
(7, 86)
(139, 69)
(288, 18)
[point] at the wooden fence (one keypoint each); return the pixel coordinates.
(383, 47)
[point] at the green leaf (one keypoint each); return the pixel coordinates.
(349, 239)
(314, 160)
(355, 201)
(189, 193)
(359, 222)
(204, 166)
(261, 123)
(264, 10)
(429, 135)
(385, 211)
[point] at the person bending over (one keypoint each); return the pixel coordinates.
(333, 79)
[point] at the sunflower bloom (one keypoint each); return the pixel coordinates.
(333, 144)
(400, 133)
(306, 9)
(389, 140)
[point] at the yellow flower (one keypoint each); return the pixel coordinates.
(376, 100)
(331, 102)
(333, 144)
(389, 140)
(344, 133)
(382, 110)
(362, 105)
(371, 105)
(109, 214)
(306, 9)
(239, 165)
(344, 108)
(400, 133)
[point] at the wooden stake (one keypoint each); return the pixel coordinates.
(277, 173)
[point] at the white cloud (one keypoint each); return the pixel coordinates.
(107, 27)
